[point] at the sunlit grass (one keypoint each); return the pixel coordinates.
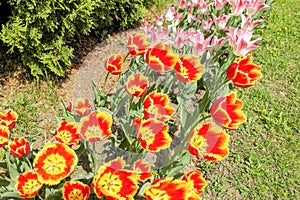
(264, 160)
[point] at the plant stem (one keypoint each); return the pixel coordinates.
(104, 85)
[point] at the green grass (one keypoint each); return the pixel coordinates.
(264, 160)
(36, 104)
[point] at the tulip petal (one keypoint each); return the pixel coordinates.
(54, 162)
(208, 141)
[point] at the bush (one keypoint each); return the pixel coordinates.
(42, 31)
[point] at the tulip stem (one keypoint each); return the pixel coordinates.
(104, 85)
(126, 57)
(129, 106)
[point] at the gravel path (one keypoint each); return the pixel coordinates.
(92, 67)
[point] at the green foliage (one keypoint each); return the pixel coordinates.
(42, 31)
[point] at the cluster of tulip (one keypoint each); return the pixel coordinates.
(175, 88)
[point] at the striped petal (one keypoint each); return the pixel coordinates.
(136, 85)
(189, 68)
(96, 126)
(153, 134)
(137, 44)
(209, 141)
(160, 58)
(67, 133)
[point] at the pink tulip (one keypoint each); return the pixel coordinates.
(190, 16)
(237, 7)
(170, 14)
(220, 21)
(216, 42)
(205, 25)
(183, 4)
(254, 6)
(219, 4)
(247, 23)
(159, 20)
(203, 6)
(199, 43)
(240, 41)
(180, 38)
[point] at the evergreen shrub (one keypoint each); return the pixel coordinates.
(42, 31)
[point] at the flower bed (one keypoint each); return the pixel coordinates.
(176, 99)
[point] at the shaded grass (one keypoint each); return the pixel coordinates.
(264, 160)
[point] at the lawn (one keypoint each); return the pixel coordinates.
(264, 161)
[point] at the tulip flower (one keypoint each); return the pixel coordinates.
(137, 44)
(196, 179)
(28, 185)
(189, 68)
(4, 135)
(208, 141)
(136, 85)
(114, 182)
(67, 133)
(254, 6)
(143, 170)
(166, 188)
(237, 7)
(240, 41)
(221, 20)
(8, 119)
(19, 147)
(153, 134)
(226, 111)
(82, 107)
(160, 58)
(114, 64)
(170, 14)
(157, 105)
(243, 73)
(220, 4)
(75, 190)
(54, 162)
(96, 126)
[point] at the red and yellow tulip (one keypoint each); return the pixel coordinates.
(19, 147)
(189, 68)
(75, 190)
(137, 44)
(8, 119)
(143, 170)
(209, 141)
(4, 135)
(114, 64)
(226, 111)
(82, 107)
(196, 179)
(67, 133)
(136, 85)
(153, 134)
(28, 185)
(160, 58)
(54, 162)
(96, 126)
(243, 73)
(157, 105)
(166, 188)
(114, 182)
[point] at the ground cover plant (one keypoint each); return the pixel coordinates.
(216, 183)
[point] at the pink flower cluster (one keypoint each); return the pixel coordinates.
(208, 30)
